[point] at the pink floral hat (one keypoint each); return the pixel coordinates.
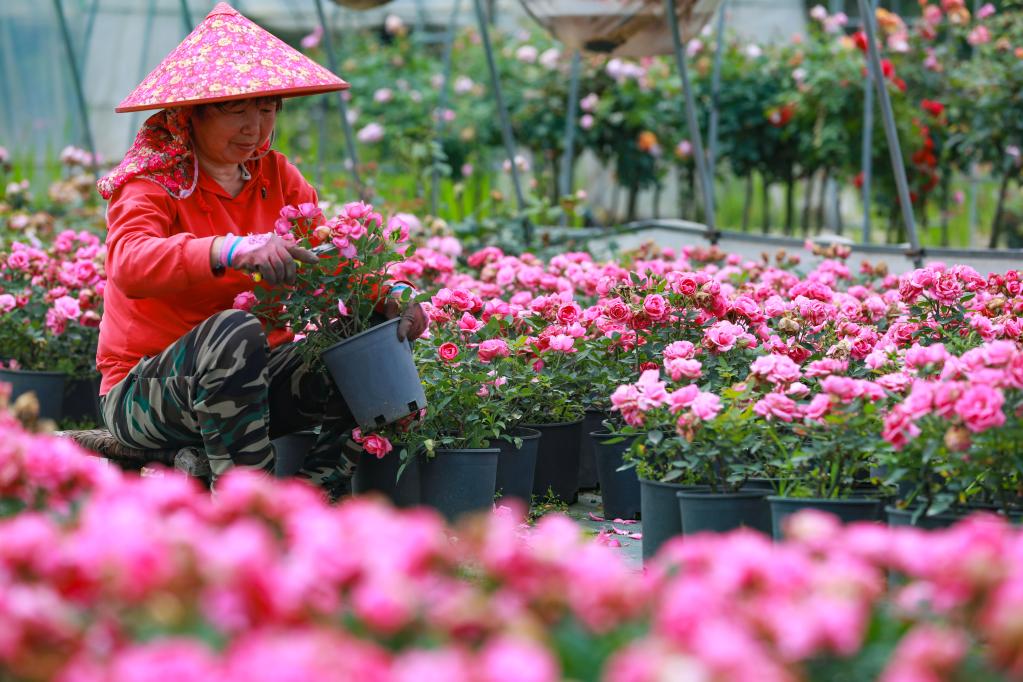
(228, 57)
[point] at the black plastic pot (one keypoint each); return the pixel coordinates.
(904, 517)
(848, 510)
(557, 461)
(376, 375)
(659, 510)
(290, 452)
(619, 490)
(81, 400)
(380, 475)
(516, 467)
(459, 482)
(48, 387)
(704, 511)
(589, 479)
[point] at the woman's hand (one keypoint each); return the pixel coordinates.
(413, 317)
(269, 255)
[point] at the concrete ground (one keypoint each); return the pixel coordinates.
(631, 548)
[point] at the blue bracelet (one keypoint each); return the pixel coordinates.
(234, 245)
(398, 288)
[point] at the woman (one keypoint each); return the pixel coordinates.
(180, 366)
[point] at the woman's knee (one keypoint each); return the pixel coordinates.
(232, 339)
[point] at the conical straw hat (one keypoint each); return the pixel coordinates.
(228, 57)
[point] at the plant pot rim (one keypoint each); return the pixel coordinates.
(738, 495)
(530, 434)
(364, 332)
(38, 372)
(531, 425)
(948, 514)
(669, 485)
(607, 435)
(482, 451)
(827, 500)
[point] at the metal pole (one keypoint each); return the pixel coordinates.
(328, 47)
(706, 181)
(568, 157)
(186, 17)
(90, 23)
(77, 80)
(715, 90)
(892, 135)
(147, 35)
(866, 158)
(442, 100)
(506, 131)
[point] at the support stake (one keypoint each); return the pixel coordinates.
(892, 135)
(706, 182)
(866, 158)
(328, 47)
(76, 77)
(568, 156)
(506, 131)
(442, 100)
(715, 90)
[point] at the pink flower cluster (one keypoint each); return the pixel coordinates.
(150, 578)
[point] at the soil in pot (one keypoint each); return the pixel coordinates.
(619, 490)
(849, 510)
(459, 482)
(557, 461)
(516, 467)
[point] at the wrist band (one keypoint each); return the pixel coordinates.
(234, 245)
(398, 288)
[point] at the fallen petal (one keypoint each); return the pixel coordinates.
(594, 517)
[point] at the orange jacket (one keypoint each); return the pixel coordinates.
(159, 281)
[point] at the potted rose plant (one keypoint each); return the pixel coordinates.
(460, 436)
(336, 305)
(50, 307)
(955, 436)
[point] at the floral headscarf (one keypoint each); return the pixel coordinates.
(162, 153)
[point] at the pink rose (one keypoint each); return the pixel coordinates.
(706, 406)
(569, 313)
(679, 368)
(244, 301)
(562, 343)
(7, 303)
(468, 323)
(68, 308)
(309, 211)
(776, 405)
(721, 336)
(493, 348)
(679, 349)
(448, 351)
(655, 306)
(376, 444)
(980, 408)
(682, 398)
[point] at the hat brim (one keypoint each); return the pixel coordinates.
(284, 92)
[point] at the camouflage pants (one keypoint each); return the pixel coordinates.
(220, 387)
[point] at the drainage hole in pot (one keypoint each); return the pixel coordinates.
(413, 406)
(380, 420)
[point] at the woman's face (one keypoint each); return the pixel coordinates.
(231, 132)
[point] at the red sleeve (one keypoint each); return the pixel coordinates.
(144, 259)
(297, 189)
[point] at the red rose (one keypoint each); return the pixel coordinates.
(448, 351)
